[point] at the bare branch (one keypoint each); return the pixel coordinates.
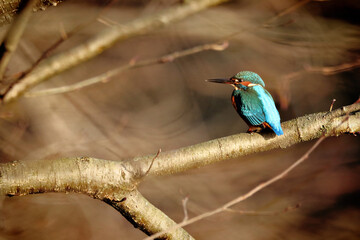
(12, 37)
(145, 216)
(116, 181)
(18, 178)
(103, 41)
(109, 181)
(327, 70)
(64, 36)
(298, 130)
(106, 21)
(64, 175)
(334, 69)
(227, 206)
(241, 198)
(262, 213)
(96, 45)
(132, 64)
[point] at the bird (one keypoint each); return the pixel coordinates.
(253, 102)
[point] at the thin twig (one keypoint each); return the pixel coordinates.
(285, 12)
(332, 105)
(261, 213)
(12, 37)
(334, 69)
(62, 31)
(132, 64)
(327, 70)
(184, 203)
(152, 162)
(106, 21)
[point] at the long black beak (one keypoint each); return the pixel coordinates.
(219, 80)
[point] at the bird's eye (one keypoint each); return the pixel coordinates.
(235, 80)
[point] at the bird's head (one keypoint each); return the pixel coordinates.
(242, 80)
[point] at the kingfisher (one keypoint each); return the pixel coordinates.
(253, 102)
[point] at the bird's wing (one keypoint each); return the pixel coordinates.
(271, 114)
(249, 108)
(254, 115)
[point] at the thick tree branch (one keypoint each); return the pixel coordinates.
(101, 42)
(298, 130)
(227, 206)
(109, 181)
(88, 175)
(94, 177)
(145, 216)
(115, 182)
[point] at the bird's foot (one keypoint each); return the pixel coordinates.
(255, 129)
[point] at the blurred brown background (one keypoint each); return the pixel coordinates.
(170, 105)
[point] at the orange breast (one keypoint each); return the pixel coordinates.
(233, 102)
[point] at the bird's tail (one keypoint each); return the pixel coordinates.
(278, 130)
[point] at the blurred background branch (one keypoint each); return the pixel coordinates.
(102, 41)
(9, 8)
(170, 57)
(14, 33)
(105, 77)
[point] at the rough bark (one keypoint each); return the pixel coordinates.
(298, 130)
(115, 182)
